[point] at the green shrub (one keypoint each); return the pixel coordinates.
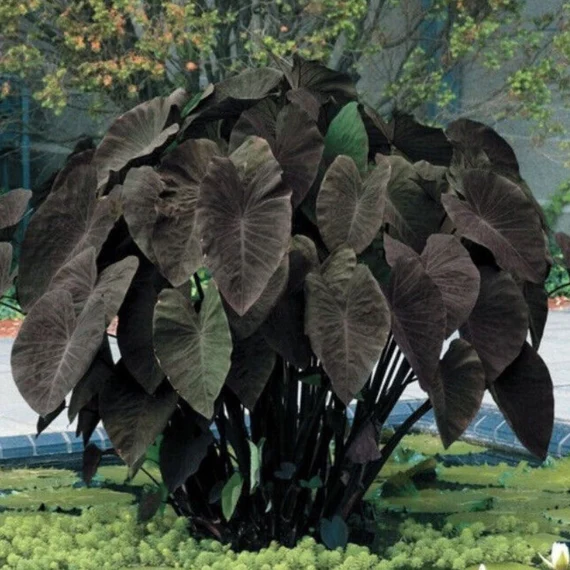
(335, 242)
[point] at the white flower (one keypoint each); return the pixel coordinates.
(559, 557)
(482, 567)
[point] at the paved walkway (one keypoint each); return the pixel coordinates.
(17, 419)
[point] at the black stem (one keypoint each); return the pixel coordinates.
(199, 286)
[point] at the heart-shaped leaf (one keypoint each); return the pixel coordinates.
(54, 349)
(132, 418)
(348, 329)
(418, 317)
(334, 532)
(347, 135)
(294, 139)
(135, 134)
(498, 324)
(193, 349)
(231, 494)
(457, 396)
(411, 212)
(450, 267)
(524, 395)
(182, 451)
(70, 220)
(13, 206)
(244, 223)
(252, 364)
(150, 503)
(349, 211)
(365, 447)
(160, 208)
(492, 215)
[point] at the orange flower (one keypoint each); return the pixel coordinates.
(191, 66)
(283, 29)
(96, 46)
(107, 80)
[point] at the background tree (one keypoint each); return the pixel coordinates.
(125, 51)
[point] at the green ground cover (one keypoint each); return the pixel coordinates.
(428, 511)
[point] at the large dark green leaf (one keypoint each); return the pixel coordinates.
(193, 349)
(132, 418)
(5, 267)
(70, 220)
(413, 215)
(347, 135)
(54, 349)
(293, 137)
(498, 324)
(135, 134)
(182, 451)
(348, 329)
(251, 321)
(418, 317)
(457, 395)
(524, 395)
(450, 267)
(252, 363)
(320, 80)
(134, 331)
(350, 211)
(497, 215)
(244, 221)
(13, 206)
(334, 532)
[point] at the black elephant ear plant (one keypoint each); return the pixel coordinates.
(283, 263)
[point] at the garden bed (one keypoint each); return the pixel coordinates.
(430, 509)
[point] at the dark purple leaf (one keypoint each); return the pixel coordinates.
(418, 317)
(44, 421)
(149, 504)
(244, 221)
(252, 364)
(91, 459)
(536, 298)
(88, 419)
(182, 451)
(350, 211)
(457, 395)
(132, 418)
(54, 349)
(524, 394)
(135, 134)
(365, 447)
(492, 215)
(13, 206)
(348, 328)
(498, 324)
(71, 220)
(306, 101)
